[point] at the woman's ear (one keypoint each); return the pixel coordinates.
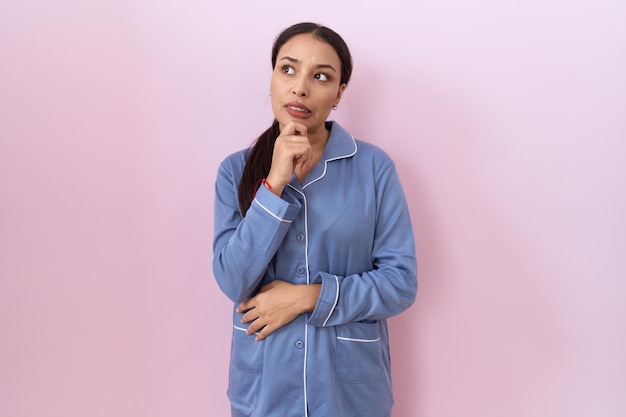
(339, 93)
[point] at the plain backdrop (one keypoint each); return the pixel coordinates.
(506, 119)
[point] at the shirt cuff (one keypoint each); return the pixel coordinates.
(279, 208)
(327, 301)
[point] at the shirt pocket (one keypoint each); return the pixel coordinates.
(359, 353)
(246, 353)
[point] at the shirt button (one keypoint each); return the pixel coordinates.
(299, 344)
(300, 237)
(300, 269)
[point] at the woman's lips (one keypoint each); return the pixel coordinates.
(298, 110)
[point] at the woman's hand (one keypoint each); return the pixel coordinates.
(292, 153)
(276, 305)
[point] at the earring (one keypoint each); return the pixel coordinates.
(334, 107)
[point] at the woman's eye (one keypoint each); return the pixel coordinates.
(288, 70)
(321, 77)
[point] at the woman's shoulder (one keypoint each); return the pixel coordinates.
(236, 160)
(372, 152)
(370, 148)
(364, 148)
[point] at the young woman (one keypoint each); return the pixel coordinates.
(313, 244)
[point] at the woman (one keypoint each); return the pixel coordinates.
(313, 243)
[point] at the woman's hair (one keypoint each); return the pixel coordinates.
(259, 159)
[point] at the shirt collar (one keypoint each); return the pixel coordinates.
(340, 143)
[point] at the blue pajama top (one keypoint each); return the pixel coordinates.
(346, 227)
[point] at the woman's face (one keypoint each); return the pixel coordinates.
(306, 82)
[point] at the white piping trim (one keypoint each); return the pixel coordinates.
(333, 159)
(306, 339)
(243, 329)
(306, 326)
(349, 339)
(306, 241)
(335, 304)
(308, 277)
(273, 215)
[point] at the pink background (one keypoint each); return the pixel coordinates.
(507, 121)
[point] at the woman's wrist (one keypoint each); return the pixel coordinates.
(273, 185)
(311, 292)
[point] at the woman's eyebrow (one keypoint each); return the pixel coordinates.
(290, 59)
(326, 66)
(295, 61)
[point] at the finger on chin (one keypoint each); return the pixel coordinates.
(296, 128)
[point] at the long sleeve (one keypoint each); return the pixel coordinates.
(390, 286)
(244, 247)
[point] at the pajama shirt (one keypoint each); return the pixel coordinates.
(346, 227)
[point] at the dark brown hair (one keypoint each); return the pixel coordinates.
(259, 159)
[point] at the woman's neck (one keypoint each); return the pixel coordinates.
(318, 139)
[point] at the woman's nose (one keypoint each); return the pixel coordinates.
(300, 89)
